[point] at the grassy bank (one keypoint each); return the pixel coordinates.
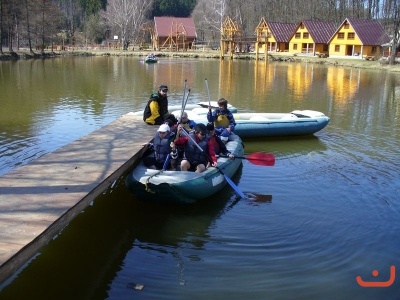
(211, 54)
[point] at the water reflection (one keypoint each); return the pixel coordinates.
(287, 230)
(264, 76)
(226, 83)
(109, 236)
(343, 83)
(299, 79)
(286, 146)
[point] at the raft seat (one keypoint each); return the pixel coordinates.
(258, 118)
(289, 117)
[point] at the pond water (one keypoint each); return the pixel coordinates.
(327, 212)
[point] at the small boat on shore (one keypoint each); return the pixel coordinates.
(184, 187)
(297, 122)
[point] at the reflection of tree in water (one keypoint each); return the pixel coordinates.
(285, 146)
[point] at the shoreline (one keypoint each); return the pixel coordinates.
(209, 54)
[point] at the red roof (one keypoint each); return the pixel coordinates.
(282, 32)
(164, 26)
(370, 32)
(320, 31)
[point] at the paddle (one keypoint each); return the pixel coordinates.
(231, 183)
(258, 158)
(184, 105)
(208, 93)
(165, 165)
(183, 99)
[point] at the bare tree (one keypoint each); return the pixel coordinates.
(127, 16)
(1, 26)
(28, 27)
(391, 17)
(210, 14)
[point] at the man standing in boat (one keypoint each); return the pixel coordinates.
(223, 119)
(157, 107)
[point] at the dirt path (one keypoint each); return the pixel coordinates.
(213, 54)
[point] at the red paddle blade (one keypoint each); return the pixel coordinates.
(261, 159)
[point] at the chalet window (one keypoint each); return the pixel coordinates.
(350, 36)
(294, 46)
(337, 48)
(302, 26)
(297, 35)
(340, 35)
(346, 26)
(305, 35)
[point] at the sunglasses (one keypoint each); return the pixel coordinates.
(165, 91)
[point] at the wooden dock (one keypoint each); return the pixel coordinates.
(39, 199)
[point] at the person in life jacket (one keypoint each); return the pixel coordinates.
(223, 119)
(162, 147)
(219, 146)
(187, 124)
(195, 159)
(157, 107)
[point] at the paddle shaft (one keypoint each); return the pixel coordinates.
(249, 158)
(183, 99)
(231, 183)
(208, 93)
(165, 166)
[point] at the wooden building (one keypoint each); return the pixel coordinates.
(273, 36)
(312, 37)
(230, 37)
(173, 34)
(358, 37)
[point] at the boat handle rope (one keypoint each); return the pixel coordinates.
(148, 189)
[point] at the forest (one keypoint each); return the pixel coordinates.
(37, 24)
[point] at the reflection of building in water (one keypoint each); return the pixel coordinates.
(299, 79)
(343, 83)
(226, 84)
(173, 75)
(264, 75)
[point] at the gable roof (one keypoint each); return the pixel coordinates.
(320, 31)
(165, 25)
(282, 31)
(370, 32)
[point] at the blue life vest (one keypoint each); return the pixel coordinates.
(192, 152)
(161, 147)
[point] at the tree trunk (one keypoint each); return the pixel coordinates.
(1, 26)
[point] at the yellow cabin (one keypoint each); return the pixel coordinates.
(312, 37)
(358, 37)
(274, 36)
